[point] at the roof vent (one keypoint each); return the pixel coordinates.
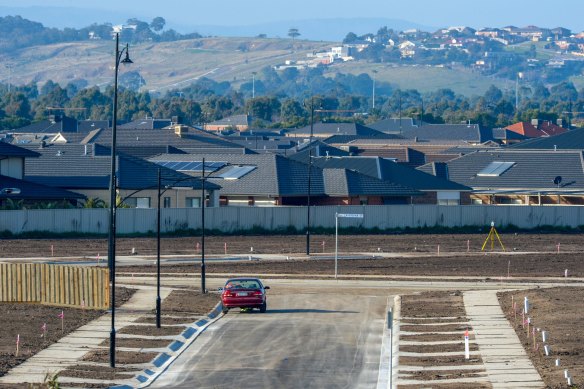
(59, 153)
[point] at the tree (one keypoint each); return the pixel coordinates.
(157, 24)
(293, 33)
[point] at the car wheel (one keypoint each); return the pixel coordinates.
(224, 309)
(263, 307)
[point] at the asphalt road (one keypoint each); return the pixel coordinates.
(308, 338)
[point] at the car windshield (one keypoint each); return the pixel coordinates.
(242, 284)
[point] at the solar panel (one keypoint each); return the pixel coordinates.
(495, 169)
(191, 166)
(236, 172)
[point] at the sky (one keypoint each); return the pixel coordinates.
(473, 13)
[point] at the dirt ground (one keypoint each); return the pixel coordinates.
(290, 244)
(558, 311)
(25, 321)
(182, 306)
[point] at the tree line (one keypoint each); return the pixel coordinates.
(284, 100)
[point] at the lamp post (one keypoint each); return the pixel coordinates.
(309, 176)
(112, 214)
(203, 198)
(158, 301)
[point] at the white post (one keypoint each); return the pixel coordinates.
(526, 305)
(336, 242)
(466, 346)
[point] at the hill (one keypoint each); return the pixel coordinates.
(169, 65)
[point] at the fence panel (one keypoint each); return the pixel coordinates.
(54, 285)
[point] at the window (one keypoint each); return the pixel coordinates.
(167, 202)
(138, 202)
(495, 169)
(142, 202)
(193, 202)
(448, 198)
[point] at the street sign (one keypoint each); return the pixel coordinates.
(355, 215)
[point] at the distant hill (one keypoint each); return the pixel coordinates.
(315, 29)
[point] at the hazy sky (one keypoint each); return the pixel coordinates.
(474, 13)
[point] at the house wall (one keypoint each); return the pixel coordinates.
(12, 167)
(230, 219)
(178, 197)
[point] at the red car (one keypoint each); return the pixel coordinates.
(243, 293)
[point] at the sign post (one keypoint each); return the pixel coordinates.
(337, 216)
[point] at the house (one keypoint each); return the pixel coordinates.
(147, 142)
(16, 190)
(470, 133)
(537, 128)
(86, 169)
(569, 140)
(436, 190)
(236, 122)
(273, 180)
(326, 130)
(394, 125)
(518, 177)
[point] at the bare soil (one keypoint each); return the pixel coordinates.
(27, 320)
(558, 311)
(292, 244)
(138, 343)
(122, 357)
(448, 386)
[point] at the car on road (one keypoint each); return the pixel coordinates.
(243, 293)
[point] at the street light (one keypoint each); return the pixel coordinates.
(517, 77)
(309, 175)
(111, 250)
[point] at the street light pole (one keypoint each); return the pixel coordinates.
(253, 85)
(309, 176)
(203, 291)
(113, 205)
(158, 256)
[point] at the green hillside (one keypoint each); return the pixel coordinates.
(170, 65)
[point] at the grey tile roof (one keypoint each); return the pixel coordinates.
(571, 140)
(438, 169)
(318, 148)
(343, 182)
(455, 132)
(533, 170)
(69, 166)
(352, 138)
(8, 150)
(505, 134)
(235, 120)
(32, 191)
(329, 129)
(90, 125)
(389, 171)
(145, 124)
(48, 126)
(140, 142)
(275, 175)
(393, 125)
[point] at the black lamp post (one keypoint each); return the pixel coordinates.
(158, 255)
(111, 250)
(309, 176)
(203, 198)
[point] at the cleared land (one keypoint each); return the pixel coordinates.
(418, 257)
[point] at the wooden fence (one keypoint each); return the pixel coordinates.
(57, 285)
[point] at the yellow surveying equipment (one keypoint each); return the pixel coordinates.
(492, 234)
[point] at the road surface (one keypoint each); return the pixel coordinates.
(308, 338)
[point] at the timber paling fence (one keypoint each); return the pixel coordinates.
(57, 285)
(240, 219)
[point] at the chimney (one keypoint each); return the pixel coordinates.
(42, 144)
(85, 150)
(535, 122)
(180, 130)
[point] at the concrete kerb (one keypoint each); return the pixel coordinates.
(163, 360)
(388, 359)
